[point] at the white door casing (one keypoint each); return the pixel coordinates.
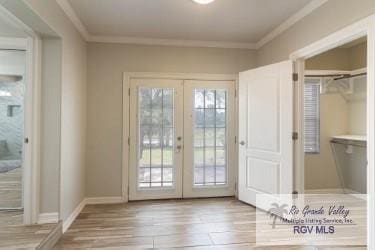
(219, 182)
(175, 191)
(265, 131)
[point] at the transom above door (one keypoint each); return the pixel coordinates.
(182, 139)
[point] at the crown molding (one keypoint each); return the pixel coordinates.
(171, 42)
(69, 11)
(306, 10)
(310, 7)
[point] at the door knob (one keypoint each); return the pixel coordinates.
(178, 148)
(242, 143)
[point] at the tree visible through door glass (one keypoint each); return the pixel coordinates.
(210, 122)
(156, 137)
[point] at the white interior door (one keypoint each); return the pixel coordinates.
(265, 131)
(155, 170)
(209, 138)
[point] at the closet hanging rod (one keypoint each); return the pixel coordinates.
(338, 76)
(362, 145)
(328, 75)
(351, 76)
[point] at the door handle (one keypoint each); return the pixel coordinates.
(178, 148)
(242, 143)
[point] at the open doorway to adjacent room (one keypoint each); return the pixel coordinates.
(335, 118)
(12, 99)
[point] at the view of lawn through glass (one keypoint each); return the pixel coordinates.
(210, 150)
(156, 137)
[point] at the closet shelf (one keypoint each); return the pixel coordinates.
(350, 137)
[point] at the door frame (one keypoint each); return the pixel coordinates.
(172, 192)
(32, 113)
(364, 27)
(127, 76)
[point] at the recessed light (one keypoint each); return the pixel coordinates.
(203, 1)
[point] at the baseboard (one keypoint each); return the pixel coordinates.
(73, 215)
(325, 191)
(90, 200)
(50, 241)
(355, 194)
(104, 200)
(45, 218)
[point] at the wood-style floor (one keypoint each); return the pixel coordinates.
(217, 223)
(24, 237)
(11, 189)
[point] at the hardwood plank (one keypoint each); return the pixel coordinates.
(214, 223)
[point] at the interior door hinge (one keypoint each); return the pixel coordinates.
(128, 91)
(235, 93)
(295, 136)
(129, 141)
(235, 140)
(235, 187)
(295, 77)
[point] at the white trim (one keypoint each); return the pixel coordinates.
(336, 39)
(327, 72)
(69, 11)
(125, 135)
(361, 28)
(127, 76)
(104, 200)
(45, 218)
(298, 126)
(12, 20)
(306, 10)
(32, 130)
(182, 76)
(89, 201)
(310, 7)
(335, 72)
(73, 215)
(31, 155)
(171, 42)
(13, 43)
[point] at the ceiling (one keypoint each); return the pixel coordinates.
(223, 21)
(10, 30)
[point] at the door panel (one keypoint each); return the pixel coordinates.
(209, 138)
(155, 135)
(265, 131)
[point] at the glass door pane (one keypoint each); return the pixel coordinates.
(209, 138)
(210, 129)
(12, 95)
(156, 137)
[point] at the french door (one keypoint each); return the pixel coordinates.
(181, 139)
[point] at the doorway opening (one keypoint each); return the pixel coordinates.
(335, 120)
(12, 99)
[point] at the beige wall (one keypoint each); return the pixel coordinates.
(320, 169)
(358, 56)
(50, 126)
(358, 107)
(330, 17)
(106, 63)
(336, 59)
(351, 58)
(73, 104)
